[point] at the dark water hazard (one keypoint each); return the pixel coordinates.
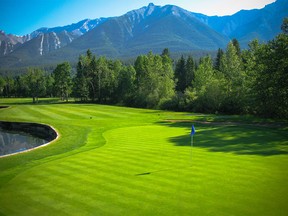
(18, 137)
(13, 142)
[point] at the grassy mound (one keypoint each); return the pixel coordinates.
(124, 161)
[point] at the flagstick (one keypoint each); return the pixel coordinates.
(193, 131)
(191, 149)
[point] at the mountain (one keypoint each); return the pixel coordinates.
(76, 29)
(9, 42)
(43, 40)
(150, 28)
(246, 25)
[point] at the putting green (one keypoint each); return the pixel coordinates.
(122, 161)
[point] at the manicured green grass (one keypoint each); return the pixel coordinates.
(123, 161)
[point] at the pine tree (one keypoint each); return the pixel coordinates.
(180, 75)
(155, 84)
(126, 85)
(284, 26)
(231, 67)
(236, 44)
(219, 59)
(63, 80)
(271, 88)
(190, 70)
(81, 88)
(207, 93)
(165, 52)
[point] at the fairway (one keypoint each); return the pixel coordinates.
(113, 160)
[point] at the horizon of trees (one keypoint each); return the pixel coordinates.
(252, 81)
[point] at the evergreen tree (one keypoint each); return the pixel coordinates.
(92, 75)
(21, 86)
(219, 59)
(154, 80)
(207, 92)
(284, 26)
(251, 66)
(50, 91)
(166, 83)
(35, 78)
(89, 55)
(126, 85)
(115, 68)
(81, 88)
(103, 81)
(9, 87)
(231, 67)
(166, 52)
(180, 75)
(190, 70)
(2, 85)
(236, 44)
(271, 89)
(63, 80)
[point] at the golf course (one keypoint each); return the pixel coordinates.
(112, 160)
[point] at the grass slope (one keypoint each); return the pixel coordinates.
(124, 161)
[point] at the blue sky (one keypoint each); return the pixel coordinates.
(24, 16)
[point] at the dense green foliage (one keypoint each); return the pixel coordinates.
(62, 80)
(253, 81)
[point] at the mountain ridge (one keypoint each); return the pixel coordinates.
(11, 42)
(149, 28)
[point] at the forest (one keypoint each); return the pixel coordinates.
(249, 81)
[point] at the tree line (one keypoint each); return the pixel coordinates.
(251, 81)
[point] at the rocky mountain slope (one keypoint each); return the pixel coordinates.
(246, 25)
(150, 28)
(44, 40)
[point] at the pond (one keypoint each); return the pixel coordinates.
(13, 142)
(18, 137)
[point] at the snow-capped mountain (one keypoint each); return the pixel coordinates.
(76, 29)
(9, 42)
(45, 40)
(150, 28)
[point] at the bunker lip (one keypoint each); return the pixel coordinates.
(37, 129)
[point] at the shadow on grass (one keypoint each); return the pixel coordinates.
(26, 101)
(240, 139)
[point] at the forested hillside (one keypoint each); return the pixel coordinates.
(250, 81)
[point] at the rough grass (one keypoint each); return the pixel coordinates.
(124, 161)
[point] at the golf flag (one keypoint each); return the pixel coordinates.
(193, 131)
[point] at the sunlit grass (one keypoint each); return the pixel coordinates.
(125, 161)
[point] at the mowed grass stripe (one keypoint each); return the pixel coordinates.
(38, 113)
(16, 113)
(101, 177)
(55, 114)
(224, 176)
(69, 113)
(109, 188)
(55, 109)
(55, 184)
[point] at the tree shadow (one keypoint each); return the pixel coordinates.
(41, 101)
(237, 139)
